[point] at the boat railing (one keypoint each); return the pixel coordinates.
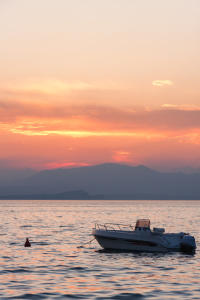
(114, 227)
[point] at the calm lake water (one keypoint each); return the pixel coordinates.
(54, 268)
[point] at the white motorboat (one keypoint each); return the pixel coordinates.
(141, 238)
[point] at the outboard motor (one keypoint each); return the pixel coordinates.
(188, 244)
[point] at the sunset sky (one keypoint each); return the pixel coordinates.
(85, 82)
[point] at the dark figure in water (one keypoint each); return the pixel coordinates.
(27, 243)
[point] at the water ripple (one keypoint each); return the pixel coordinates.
(54, 268)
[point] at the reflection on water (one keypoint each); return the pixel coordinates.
(54, 268)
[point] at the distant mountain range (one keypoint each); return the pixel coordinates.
(72, 195)
(11, 176)
(186, 170)
(110, 181)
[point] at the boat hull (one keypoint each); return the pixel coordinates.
(132, 242)
(132, 245)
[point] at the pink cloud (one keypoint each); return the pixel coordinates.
(44, 118)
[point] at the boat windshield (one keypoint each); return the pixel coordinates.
(142, 223)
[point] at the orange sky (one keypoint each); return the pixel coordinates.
(88, 82)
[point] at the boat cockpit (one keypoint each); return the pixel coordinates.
(142, 225)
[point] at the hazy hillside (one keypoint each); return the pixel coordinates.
(12, 176)
(72, 195)
(109, 179)
(186, 170)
